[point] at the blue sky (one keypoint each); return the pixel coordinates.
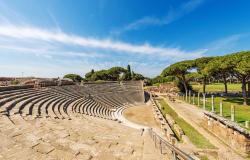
(47, 38)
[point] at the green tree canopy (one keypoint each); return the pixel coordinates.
(112, 74)
(137, 77)
(180, 70)
(241, 69)
(74, 77)
(200, 65)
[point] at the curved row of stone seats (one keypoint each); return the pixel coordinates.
(14, 91)
(36, 105)
(103, 88)
(109, 101)
(24, 100)
(92, 108)
(21, 95)
(70, 90)
(23, 103)
(10, 102)
(64, 101)
(8, 98)
(66, 92)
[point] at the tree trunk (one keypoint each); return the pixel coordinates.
(225, 82)
(244, 90)
(204, 84)
(248, 84)
(186, 89)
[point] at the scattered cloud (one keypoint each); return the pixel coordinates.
(55, 36)
(226, 44)
(172, 15)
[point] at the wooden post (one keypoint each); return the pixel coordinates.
(232, 113)
(199, 99)
(221, 107)
(204, 101)
(212, 103)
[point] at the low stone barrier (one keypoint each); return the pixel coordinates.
(170, 119)
(165, 128)
(229, 132)
(178, 130)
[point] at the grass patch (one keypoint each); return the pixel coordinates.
(195, 137)
(242, 113)
(204, 158)
(217, 87)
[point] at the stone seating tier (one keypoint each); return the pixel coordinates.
(63, 102)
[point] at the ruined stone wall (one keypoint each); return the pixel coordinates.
(229, 132)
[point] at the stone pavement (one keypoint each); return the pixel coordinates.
(83, 137)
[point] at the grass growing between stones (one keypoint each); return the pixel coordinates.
(242, 113)
(195, 137)
(217, 87)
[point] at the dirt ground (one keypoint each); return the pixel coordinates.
(142, 115)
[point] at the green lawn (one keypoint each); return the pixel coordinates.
(242, 112)
(217, 87)
(195, 137)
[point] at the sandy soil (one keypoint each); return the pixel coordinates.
(142, 115)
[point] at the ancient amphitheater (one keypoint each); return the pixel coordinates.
(73, 122)
(91, 121)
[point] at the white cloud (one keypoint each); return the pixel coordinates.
(49, 53)
(34, 33)
(226, 44)
(172, 15)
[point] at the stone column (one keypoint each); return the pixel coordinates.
(247, 124)
(221, 107)
(193, 98)
(189, 97)
(212, 103)
(232, 113)
(204, 101)
(199, 99)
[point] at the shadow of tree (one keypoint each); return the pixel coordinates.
(237, 100)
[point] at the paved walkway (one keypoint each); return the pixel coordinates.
(193, 115)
